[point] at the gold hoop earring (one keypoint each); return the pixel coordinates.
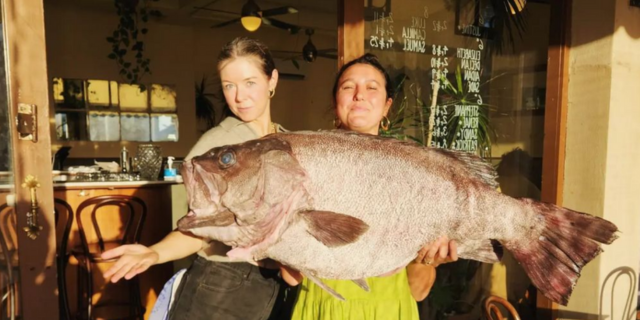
(337, 123)
(385, 123)
(272, 92)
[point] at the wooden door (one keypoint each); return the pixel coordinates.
(25, 161)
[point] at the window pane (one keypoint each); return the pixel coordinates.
(98, 93)
(71, 125)
(58, 89)
(135, 126)
(68, 93)
(164, 127)
(163, 98)
(132, 98)
(104, 126)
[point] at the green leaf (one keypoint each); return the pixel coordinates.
(123, 72)
(111, 40)
(129, 76)
(143, 88)
(122, 52)
(144, 30)
(295, 63)
(125, 41)
(127, 64)
(112, 56)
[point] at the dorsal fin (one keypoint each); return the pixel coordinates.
(480, 168)
(476, 165)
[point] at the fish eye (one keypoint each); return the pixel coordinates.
(227, 159)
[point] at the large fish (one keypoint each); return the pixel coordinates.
(341, 205)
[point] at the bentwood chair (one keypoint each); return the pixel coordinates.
(494, 306)
(132, 212)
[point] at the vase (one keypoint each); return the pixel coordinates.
(149, 161)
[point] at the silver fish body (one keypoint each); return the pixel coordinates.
(342, 205)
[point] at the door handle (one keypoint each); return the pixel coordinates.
(32, 229)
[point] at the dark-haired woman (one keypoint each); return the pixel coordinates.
(214, 287)
(362, 97)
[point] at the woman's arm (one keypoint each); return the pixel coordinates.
(421, 273)
(134, 259)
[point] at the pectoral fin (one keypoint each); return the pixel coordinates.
(334, 229)
(362, 283)
(324, 286)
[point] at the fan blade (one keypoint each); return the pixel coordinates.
(215, 10)
(329, 50)
(293, 29)
(328, 55)
(279, 11)
(226, 23)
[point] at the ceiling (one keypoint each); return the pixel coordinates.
(320, 15)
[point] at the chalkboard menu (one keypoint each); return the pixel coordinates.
(436, 50)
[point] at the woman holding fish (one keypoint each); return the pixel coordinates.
(215, 287)
(362, 97)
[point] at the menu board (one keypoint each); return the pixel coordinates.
(437, 50)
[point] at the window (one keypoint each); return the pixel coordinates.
(102, 110)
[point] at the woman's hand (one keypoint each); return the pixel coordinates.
(133, 260)
(421, 274)
(291, 276)
(439, 252)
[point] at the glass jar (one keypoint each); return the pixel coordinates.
(149, 161)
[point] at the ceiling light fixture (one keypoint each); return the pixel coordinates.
(251, 18)
(309, 51)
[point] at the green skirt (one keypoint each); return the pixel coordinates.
(389, 298)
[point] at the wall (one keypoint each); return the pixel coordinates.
(601, 175)
(180, 55)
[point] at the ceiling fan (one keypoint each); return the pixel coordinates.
(309, 52)
(251, 17)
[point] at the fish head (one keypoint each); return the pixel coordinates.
(240, 185)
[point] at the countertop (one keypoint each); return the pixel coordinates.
(102, 184)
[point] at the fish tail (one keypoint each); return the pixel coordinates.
(568, 241)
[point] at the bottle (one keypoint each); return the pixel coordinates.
(124, 160)
(170, 173)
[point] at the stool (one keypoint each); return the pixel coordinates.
(492, 306)
(62, 209)
(89, 253)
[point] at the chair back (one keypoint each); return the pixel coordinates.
(8, 229)
(8, 248)
(132, 219)
(63, 215)
(494, 306)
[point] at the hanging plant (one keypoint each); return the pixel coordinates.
(127, 45)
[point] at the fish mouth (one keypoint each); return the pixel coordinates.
(193, 220)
